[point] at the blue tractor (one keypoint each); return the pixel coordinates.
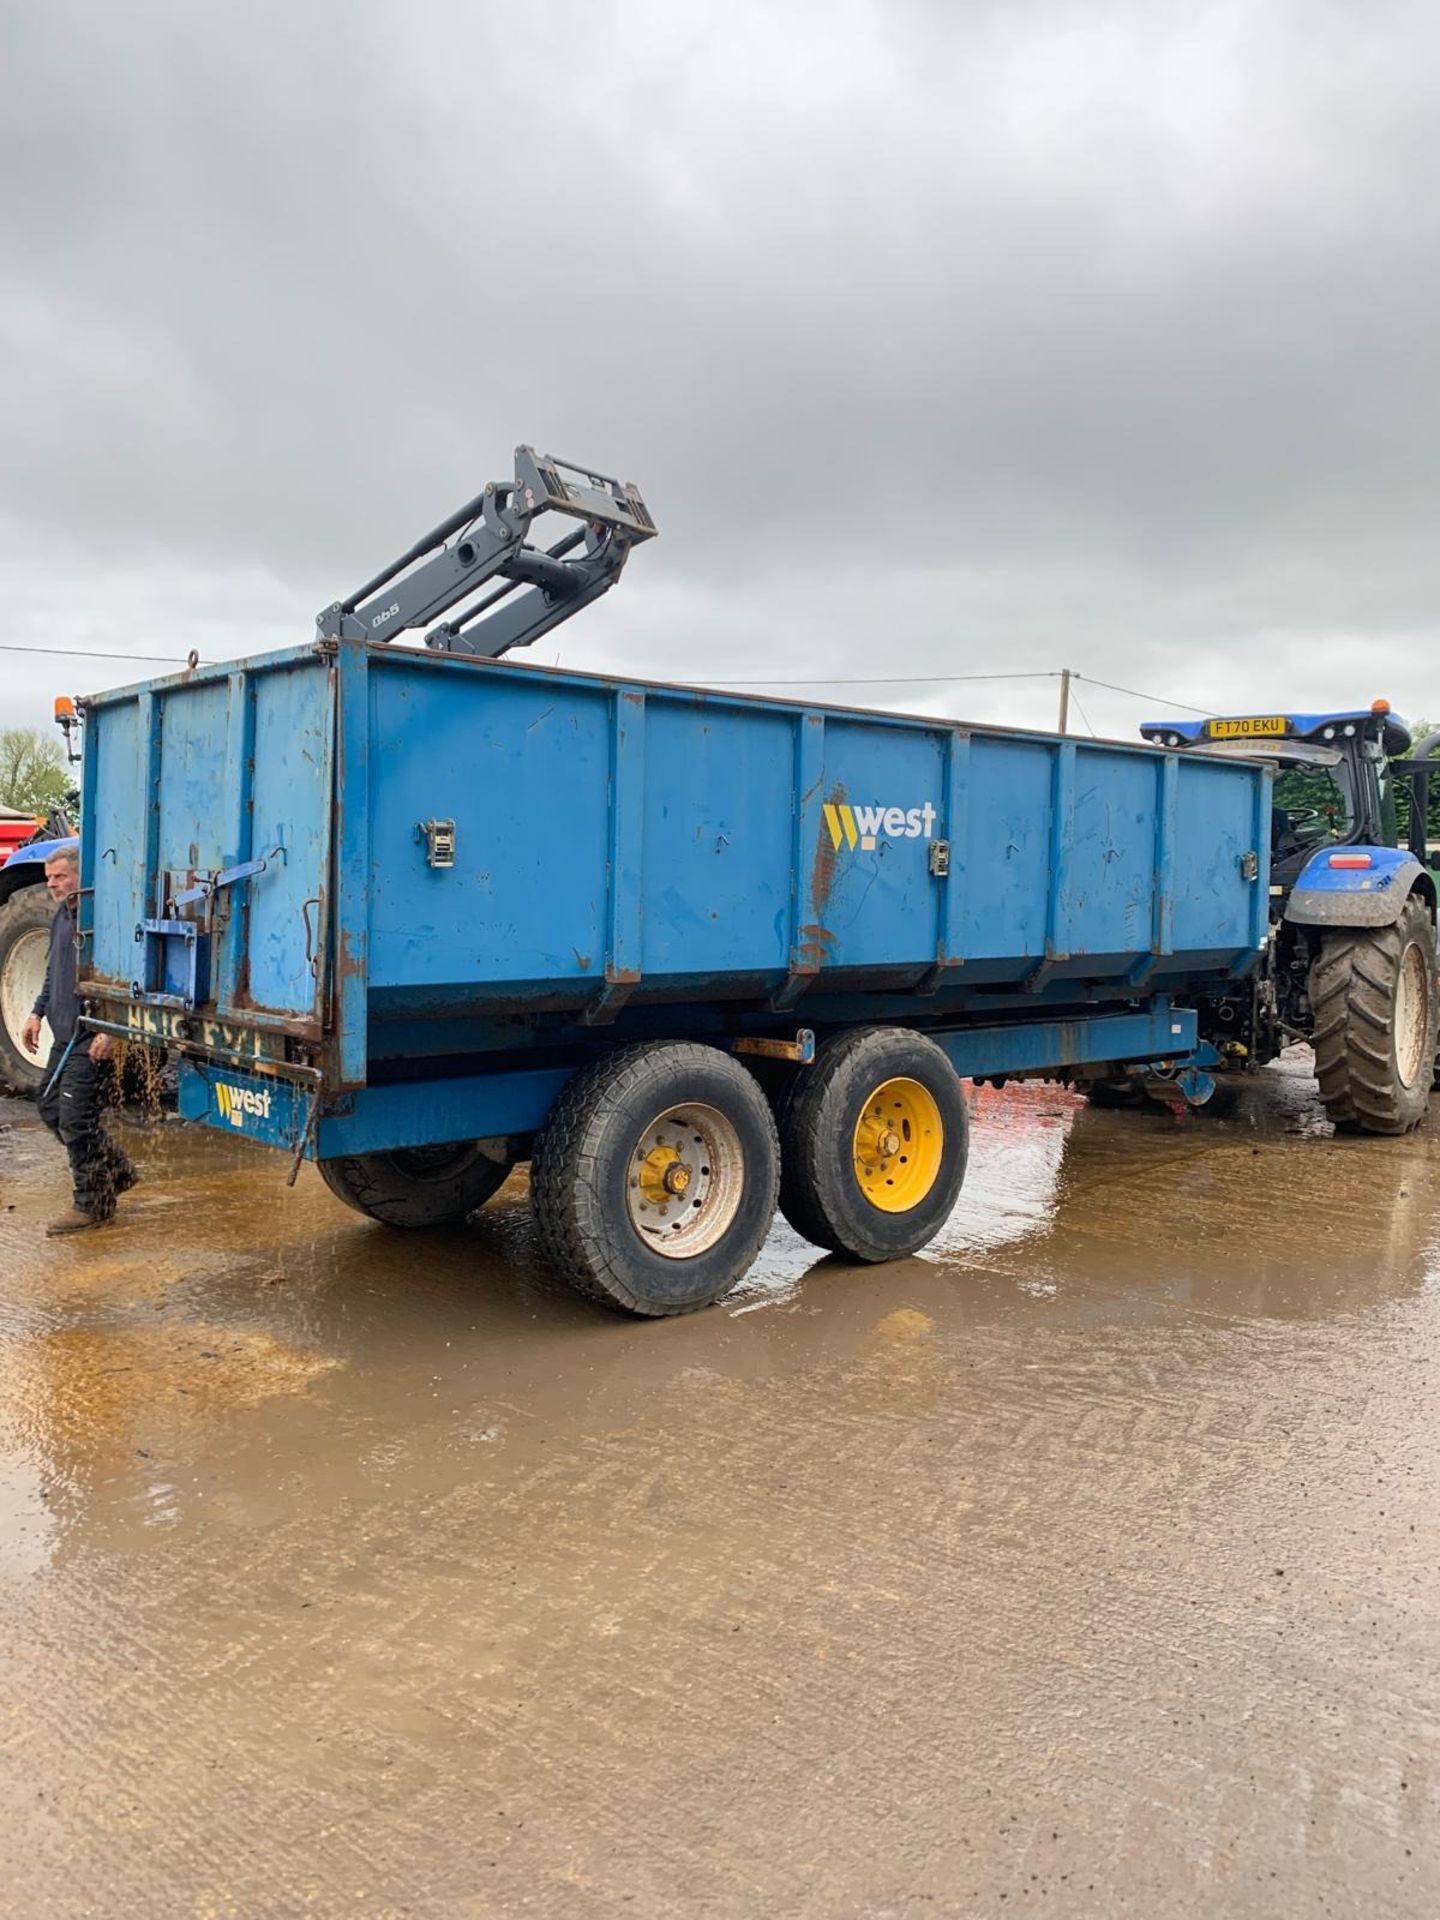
(1350, 965)
(25, 914)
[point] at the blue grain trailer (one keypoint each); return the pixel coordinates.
(419, 915)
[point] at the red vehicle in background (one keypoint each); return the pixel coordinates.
(15, 830)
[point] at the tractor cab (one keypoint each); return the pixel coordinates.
(1334, 778)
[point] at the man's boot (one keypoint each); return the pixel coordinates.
(75, 1221)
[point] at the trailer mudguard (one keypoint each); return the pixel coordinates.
(1352, 896)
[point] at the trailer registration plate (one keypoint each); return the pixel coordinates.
(1262, 727)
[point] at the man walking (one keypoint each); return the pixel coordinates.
(72, 1094)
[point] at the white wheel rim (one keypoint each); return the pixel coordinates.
(20, 983)
(684, 1181)
(1412, 1010)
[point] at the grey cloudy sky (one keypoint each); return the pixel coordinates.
(942, 339)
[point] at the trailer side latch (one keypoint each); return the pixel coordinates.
(1250, 866)
(210, 884)
(940, 859)
(439, 841)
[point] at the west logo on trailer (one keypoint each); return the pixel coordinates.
(235, 1102)
(864, 826)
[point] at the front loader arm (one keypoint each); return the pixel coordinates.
(487, 540)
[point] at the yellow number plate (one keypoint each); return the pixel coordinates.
(1263, 728)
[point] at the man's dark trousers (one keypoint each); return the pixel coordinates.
(72, 1106)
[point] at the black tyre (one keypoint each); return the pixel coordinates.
(1129, 1096)
(417, 1186)
(654, 1181)
(24, 949)
(1121, 1094)
(873, 1145)
(1373, 994)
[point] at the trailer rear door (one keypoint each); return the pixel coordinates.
(206, 850)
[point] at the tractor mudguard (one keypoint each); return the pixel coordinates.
(1355, 896)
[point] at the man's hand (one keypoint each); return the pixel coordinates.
(102, 1047)
(30, 1034)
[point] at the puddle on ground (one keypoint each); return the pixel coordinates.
(1092, 1549)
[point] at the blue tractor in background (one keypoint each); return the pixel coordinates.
(1350, 965)
(25, 914)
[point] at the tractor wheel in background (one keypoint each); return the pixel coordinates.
(417, 1186)
(873, 1144)
(654, 1180)
(1373, 994)
(24, 950)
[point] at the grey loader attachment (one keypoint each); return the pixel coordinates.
(488, 539)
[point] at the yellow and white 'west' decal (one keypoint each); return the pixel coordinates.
(864, 826)
(235, 1102)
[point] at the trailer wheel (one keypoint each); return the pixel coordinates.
(417, 1186)
(24, 951)
(873, 1145)
(1373, 992)
(654, 1181)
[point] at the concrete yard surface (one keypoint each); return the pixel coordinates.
(1089, 1564)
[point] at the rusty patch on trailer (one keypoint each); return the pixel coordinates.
(822, 871)
(1068, 1044)
(582, 960)
(349, 965)
(813, 945)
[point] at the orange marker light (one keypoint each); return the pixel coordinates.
(64, 707)
(1379, 706)
(1351, 860)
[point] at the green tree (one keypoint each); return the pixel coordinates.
(33, 775)
(1402, 794)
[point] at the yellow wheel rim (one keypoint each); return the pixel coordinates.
(661, 1174)
(899, 1144)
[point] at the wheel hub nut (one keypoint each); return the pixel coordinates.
(889, 1144)
(677, 1177)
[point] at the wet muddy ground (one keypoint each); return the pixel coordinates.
(1089, 1564)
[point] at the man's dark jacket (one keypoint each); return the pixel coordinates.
(58, 1002)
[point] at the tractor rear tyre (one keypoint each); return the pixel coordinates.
(874, 1141)
(654, 1180)
(417, 1186)
(24, 952)
(1373, 994)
